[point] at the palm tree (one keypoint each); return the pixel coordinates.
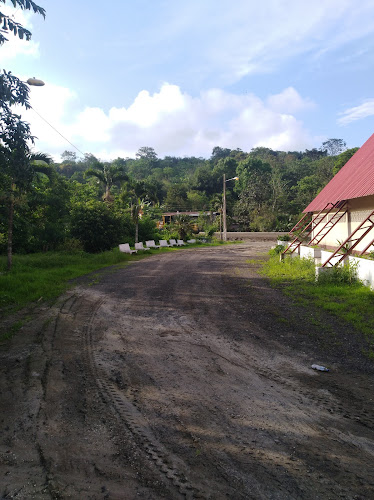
(137, 194)
(184, 225)
(107, 174)
(216, 204)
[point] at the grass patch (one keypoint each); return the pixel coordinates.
(45, 276)
(339, 294)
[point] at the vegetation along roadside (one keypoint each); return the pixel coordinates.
(339, 293)
(42, 277)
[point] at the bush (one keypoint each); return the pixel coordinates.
(183, 225)
(339, 275)
(70, 245)
(168, 232)
(284, 237)
(147, 229)
(276, 250)
(98, 227)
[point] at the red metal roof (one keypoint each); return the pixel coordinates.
(354, 180)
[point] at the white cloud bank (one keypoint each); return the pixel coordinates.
(170, 121)
(357, 113)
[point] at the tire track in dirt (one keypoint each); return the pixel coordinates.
(167, 464)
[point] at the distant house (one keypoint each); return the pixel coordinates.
(341, 216)
(169, 217)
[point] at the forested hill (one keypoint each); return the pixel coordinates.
(273, 186)
(273, 189)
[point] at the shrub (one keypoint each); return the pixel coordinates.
(343, 274)
(284, 237)
(276, 250)
(168, 232)
(97, 226)
(70, 245)
(147, 229)
(183, 225)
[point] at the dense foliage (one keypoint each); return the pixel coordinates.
(17, 165)
(95, 205)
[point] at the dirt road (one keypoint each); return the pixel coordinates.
(184, 375)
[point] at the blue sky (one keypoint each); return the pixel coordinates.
(184, 77)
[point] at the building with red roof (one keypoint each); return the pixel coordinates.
(341, 216)
(354, 181)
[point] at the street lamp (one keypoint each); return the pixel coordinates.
(224, 204)
(35, 82)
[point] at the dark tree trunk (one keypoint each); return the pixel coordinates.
(10, 227)
(137, 230)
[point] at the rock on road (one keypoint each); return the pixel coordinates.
(183, 375)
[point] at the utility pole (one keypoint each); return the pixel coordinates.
(224, 209)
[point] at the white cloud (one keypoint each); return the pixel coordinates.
(357, 113)
(170, 121)
(288, 101)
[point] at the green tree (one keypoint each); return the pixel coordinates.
(183, 225)
(204, 179)
(137, 194)
(146, 153)
(146, 161)
(19, 166)
(97, 226)
(254, 175)
(10, 26)
(342, 159)
(333, 147)
(197, 200)
(69, 156)
(15, 155)
(226, 166)
(306, 190)
(108, 175)
(42, 213)
(176, 197)
(254, 189)
(219, 154)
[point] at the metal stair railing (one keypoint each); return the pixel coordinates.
(350, 243)
(367, 247)
(297, 225)
(338, 215)
(305, 232)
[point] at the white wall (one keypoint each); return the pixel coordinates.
(365, 270)
(364, 267)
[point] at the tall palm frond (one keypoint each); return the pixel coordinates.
(108, 175)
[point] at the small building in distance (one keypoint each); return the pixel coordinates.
(169, 217)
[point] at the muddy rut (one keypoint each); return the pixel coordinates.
(185, 375)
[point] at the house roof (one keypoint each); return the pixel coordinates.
(354, 180)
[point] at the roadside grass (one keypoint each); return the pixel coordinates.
(45, 276)
(340, 294)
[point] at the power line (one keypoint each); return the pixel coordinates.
(55, 129)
